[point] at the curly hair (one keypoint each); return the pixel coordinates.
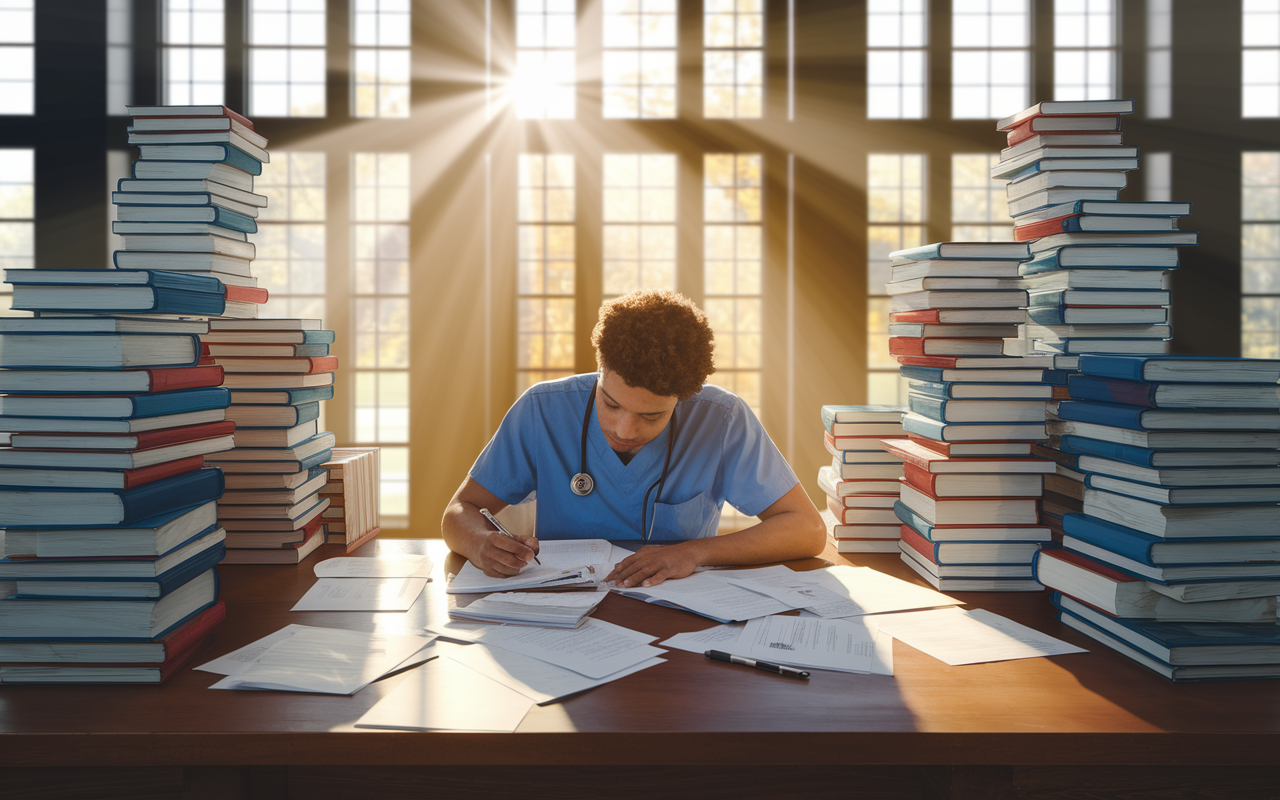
(657, 340)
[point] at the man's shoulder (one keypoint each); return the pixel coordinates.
(711, 398)
(572, 384)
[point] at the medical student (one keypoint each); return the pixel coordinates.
(641, 450)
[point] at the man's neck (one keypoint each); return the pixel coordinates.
(625, 456)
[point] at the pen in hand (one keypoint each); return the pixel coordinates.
(764, 665)
(503, 530)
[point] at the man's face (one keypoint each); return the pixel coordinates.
(630, 417)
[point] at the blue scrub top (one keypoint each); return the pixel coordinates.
(721, 453)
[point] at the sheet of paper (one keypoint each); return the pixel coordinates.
(709, 594)
(796, 589)
(874, 592)
(535, 679)
(956, 636)
(459, 631)
(568, 553)
(236, 659)
(882, 660)
(361, 594)
(596, 649)
(471, 580)
(448, 696)
(382, 567)
(836, 644)
(720, 637)
(324, 660)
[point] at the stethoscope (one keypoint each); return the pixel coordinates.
(582, 484)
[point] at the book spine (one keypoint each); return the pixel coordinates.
(177, 301)
(194, 632)
(1124, 542)
(920, 544)
(181, 574)
(935, 408)
(157, 404)
(193, 377)
(134, 478)
(1116, 416)
(188, 489)
(1129, 454)
(920, 479)
(1110, 390)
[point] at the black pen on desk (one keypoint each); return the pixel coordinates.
(790, 672)
(503, 530)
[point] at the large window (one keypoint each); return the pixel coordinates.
(1260, 71)
(17, 215)
(380, 262)
(290, 262)
(380, 58)
(546, 271)
(119, 56)
(546, 74)
(734, 268)
(639, 59)
(895, 221)
(979, 203)
(17, 57)
(991, 59)
(194, 52)
(286, 58)
(1260, 255)
(1084, 55)
(733, 79)
(896, 59)
(640, 222)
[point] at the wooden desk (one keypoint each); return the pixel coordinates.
(1010, 729)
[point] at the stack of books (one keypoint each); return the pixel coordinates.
(110, 529)
(355, 475)
(952, 306)
(861, 483)
(1175, 560)
(189, 205)
(1096, 279)
(278, 372)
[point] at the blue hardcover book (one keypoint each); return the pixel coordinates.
(302, 413)
(1130, 208)
(955, 390)
(137, 406)
(986, 251)
(160, 279)
(1062, 315)
(1051, 164)
(1185, 495)
(1154, 551)
(1156, 258)
(215, 153)
(1138, 418)
(1186, 642)
(274, 467)
(1101, 297)
(831, 414)
(84, 508)
(164, 214)
(1129, 454)
(281, 397)
(1056, 377)
(1182, 369)
(166, 582)
(106, 620)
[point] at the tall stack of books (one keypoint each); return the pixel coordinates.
(355, 475)
(861, 483)
(110, 528)
(952, 305)
(1175, 560)
(278, 372)
(189, 205)
(1095, 281)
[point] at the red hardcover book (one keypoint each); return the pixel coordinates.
(123, 442)
(294, 366)
(173, 379)
(917, 542)
(1038, 120)
(913, 453)
(137, 477)
(1048, 227)
(194, 631)
(162, 112)
(853, 515)
(105, 672)
(950, 449)
(964, 484)
(246, 294)
(977, 362)
(841, 443)
(921, 346)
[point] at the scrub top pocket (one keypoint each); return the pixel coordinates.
(692, 519)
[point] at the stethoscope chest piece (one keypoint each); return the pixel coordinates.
(581, 484)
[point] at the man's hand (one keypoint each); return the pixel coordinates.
(653, 564)
(501, 557)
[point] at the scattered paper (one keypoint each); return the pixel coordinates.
(808, 642)
(720, 637)
(877, 593)
(448, 696)
(361, 594)
(709, 594)
(324, 660)
(382, 567)
(535, 679)
(249, 654)
(797, 590)
(596, 649)
(882, 660)
(956, 636)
